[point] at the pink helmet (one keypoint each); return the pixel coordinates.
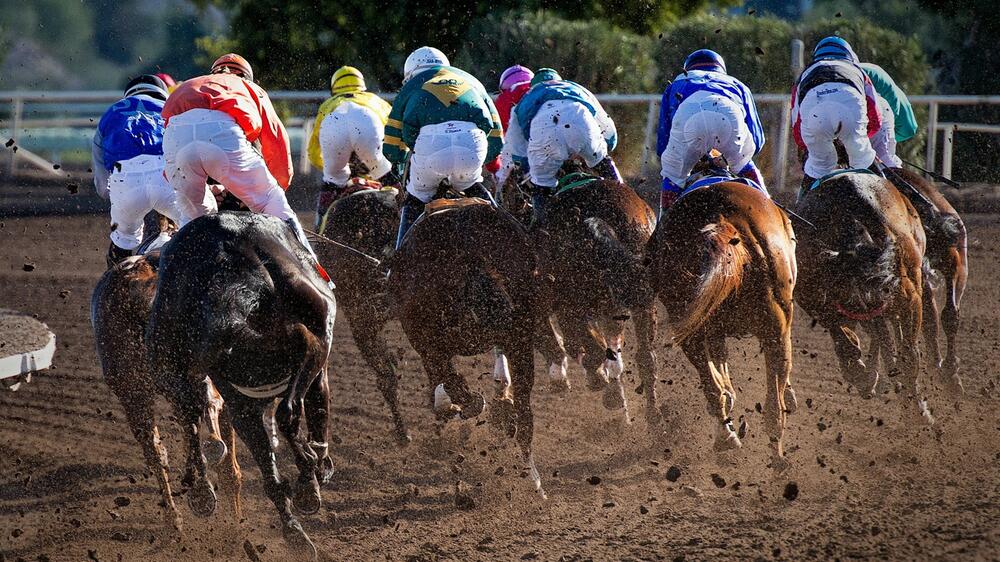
(515, 76)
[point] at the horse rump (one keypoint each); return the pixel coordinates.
(724, 259)
(864, 272)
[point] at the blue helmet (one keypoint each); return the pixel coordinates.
(834, 48)
(705, 59)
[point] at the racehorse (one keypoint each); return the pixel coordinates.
(463, 281)
(861, 264)
(722, 262)
(240, 300)
(946, 256)
(366, 220)
(120, 309)
(590, 248)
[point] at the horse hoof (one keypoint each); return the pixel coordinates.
(743, 429)
(298, 541)
(403, 437)
(214, 451)
(791, 402)
(727, 440)
(925, 412)
(597, 380)
(307, 498)
(325, 470)
(558, 380)
(779, 463)
(614, 396)
(202, 499)
(474, 406)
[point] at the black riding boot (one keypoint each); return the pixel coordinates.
(479, 190)
(878, 168)
(327, 195)
(117, 254)
(412, 208)
(606, 169)
(539, 197)
(807, 182)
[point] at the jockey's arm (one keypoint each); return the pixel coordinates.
(275, 146)
(664, 123)
(608, 129)
(494, 137)
(753, 119)
(393, 147)
(97, 165)
(515, 149)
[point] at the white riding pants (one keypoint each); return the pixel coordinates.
(563, 129)
(702, 122)
(137, 186)
(352, 129)
(453, 151)
(834, 111)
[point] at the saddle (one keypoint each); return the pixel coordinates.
(712, 170)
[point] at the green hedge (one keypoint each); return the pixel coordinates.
(593, 53)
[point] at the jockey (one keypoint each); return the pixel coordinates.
(448, 120)
(898, 121)
(127, 158)
(555, 121)
(514, 83)
(702, 109)
(834, 99)
(223, 126)
(351, 122)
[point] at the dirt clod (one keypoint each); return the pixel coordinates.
(791, 491)
(673, 473)
(594, 480)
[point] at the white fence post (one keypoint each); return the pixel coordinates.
(304, 165)
(932, 117)
(946, 146)
(649, 140)
(17, 113)
(785, 130)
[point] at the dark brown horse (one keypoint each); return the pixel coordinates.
(722, 262)
(120, 309)
(861, 264)
(946, 256)
(463, 281)
(590, 249)
(366, 221)
(240, 300)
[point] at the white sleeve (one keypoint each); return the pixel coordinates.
(515, 147)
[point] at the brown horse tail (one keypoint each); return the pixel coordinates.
(724, 260)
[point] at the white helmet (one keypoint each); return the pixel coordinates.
(421, 59)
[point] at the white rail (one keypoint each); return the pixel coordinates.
(17, 123)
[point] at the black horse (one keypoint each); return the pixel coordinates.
(239, 300)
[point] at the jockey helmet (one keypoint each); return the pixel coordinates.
(705, 59)
(515, 76)
(233, 64)
(147, 84)
(347, 79)
(834, 48)
(422, 58)
(545, 75)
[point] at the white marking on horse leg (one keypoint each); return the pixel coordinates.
(557, 374)
(615, 367)
(442, 402)
(534, 476)
(925, 411)
(501, 375)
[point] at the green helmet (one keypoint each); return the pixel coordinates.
(545, 75)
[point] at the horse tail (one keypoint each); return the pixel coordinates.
(620, 270)
(864, 272)
(724, 262)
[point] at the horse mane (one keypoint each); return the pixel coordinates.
(725, 257)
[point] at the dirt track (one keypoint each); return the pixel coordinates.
(869, 487)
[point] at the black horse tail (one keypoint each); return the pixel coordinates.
(621, 271)
(865, 271)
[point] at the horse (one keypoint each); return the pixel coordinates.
(590, 247)
(119, 311)
(722, 262)
(860, 263)
(241, 301)
(946, 256)
(366, 220)
(465, 280)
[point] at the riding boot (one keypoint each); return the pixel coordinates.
(539, 197)
(807, 182)
(328, 193)
(606, 169)
(877, 167)
(479, 190)
(117, 254)
(412, 208)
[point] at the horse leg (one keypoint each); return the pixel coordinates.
(777, 343)
(696, 349)
(881, 346)
(451, 394)
(614, 365)
(368, 337)
(955, 272)
(139, 414)
(931, 317)
(523, 380)
(317, 408)
(247, 420)
(230, 477)
(306, 498)
(188, 403)
(909, 323)
(644, 321)
(847, 346)
(550, 344)
(579, 337)
(214, 447)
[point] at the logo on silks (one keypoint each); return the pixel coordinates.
(446, 86)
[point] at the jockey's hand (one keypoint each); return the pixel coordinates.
(667, 199)
(493, 166)
(327, 195)
(218, 191)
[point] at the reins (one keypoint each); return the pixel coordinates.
(342, 246)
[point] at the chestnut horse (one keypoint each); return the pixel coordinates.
(946, 256)
(722, 262)
(240, 300)
(861, 264)
(119, 312)
(367, 221)
(590, 249)
(463, 281)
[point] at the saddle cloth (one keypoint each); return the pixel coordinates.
(836, 173)
(695, 182)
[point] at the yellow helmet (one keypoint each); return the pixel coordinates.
(347, 79)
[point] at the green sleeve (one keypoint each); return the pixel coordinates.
(393, 147)
(494, 137)
(902, 111)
